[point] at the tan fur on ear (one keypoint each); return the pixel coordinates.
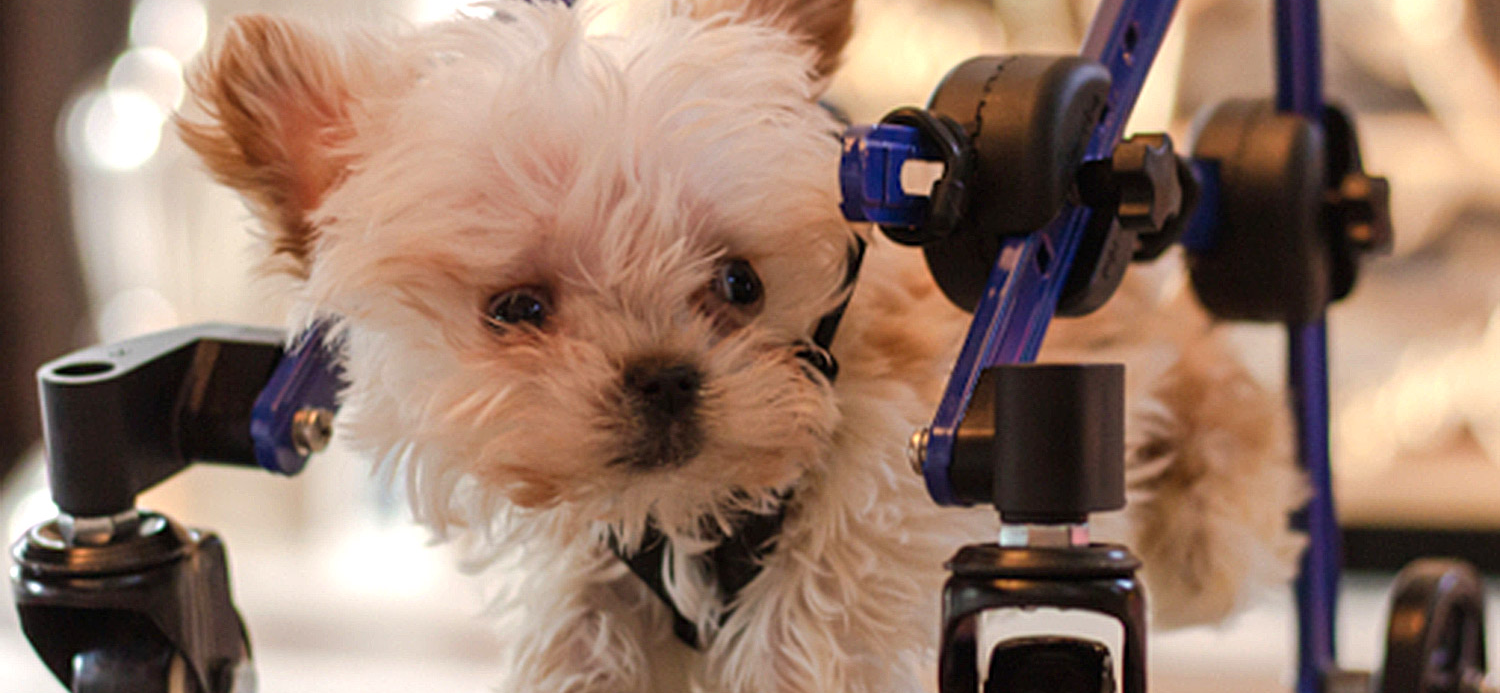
(276, 99)
(824, 24)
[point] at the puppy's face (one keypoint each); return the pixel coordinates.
(574, 268)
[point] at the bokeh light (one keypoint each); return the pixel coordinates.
(179, 27)
(114, 129)
(150, 70)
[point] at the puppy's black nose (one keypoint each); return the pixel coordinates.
(666, 389)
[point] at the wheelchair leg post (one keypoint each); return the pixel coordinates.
(144, 607)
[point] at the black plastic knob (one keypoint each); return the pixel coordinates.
(1146, 177)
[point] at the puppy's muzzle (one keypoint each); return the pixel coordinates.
(664, 396)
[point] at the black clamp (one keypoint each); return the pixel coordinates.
(1062, 452)
(949, 196)
(1028, 119)
(1143, 196)
(1011, 131)
(1295, 213)
(120, 418)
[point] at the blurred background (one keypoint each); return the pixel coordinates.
(108, 230)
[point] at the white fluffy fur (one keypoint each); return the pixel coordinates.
(456, 161)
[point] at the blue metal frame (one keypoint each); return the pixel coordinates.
(1317, 585)
(1012, 315)
(1299, 90)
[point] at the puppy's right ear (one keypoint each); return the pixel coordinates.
(276, 101)
(823, 25)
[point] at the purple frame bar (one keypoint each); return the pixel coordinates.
(1299, 89)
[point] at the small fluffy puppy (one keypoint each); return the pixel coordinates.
(575, 273)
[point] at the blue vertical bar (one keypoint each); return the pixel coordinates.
(1299, 89)
(1299, 58)
(1318, 580)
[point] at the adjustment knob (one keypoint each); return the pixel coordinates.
(1145, 174)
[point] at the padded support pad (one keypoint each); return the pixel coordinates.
(1270, 257)
(1030, 118)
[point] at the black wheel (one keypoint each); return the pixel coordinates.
(131, 668)
(1050, 665)
(1435, 640)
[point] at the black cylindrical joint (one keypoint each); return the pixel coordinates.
(119, 418)
(1059, 452)
(1029, 118)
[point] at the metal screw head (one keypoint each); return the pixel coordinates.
(312, 428)
(97, 531)
(916, 449)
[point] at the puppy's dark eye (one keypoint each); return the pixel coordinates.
(737, 283)
(524, 305)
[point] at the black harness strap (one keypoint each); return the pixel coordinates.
(818, 353)
(731, 565)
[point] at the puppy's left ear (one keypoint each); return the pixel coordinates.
(825, 25)
(274, 98)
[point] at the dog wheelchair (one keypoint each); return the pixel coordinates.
(1041, 206)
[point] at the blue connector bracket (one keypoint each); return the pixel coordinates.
(300, 398)
(870, 174)
(1198, 235)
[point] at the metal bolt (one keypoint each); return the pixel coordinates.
(311, 430)
(1057, 536)
(916, 449)
(98, 530)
